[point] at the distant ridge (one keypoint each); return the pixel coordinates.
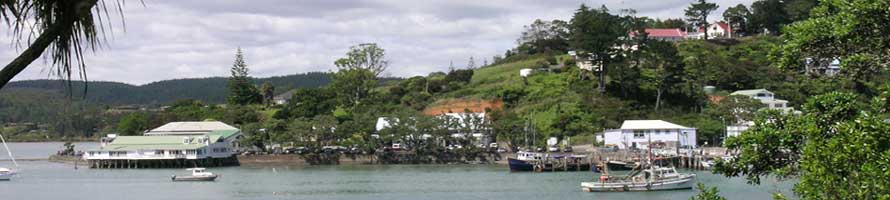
(209, 90)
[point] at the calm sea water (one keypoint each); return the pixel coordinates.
(45, 180)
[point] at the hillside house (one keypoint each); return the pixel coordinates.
(638, 134)
(665, 34)
(283, 98)
(176, 144)
(766, 97)
(719, 30)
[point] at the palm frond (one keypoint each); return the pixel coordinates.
(76, 28)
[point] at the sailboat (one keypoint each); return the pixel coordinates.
(6, 173)
(652, 178)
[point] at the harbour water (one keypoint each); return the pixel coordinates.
(46, 180)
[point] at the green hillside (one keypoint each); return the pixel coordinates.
(210, 90)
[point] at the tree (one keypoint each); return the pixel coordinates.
(670, 23)
(241, 90)
(837, 148)
(367, 56)
(799, 9)
(735, 108)
(767, 16)
(852, 31)
(133, 124)
(707, 193)
(307, 103)
(697, 14)
(596, 32)
(544, 36)
(66, 28)
(737, 17)
(662, 58)
(353, 86)
(268, 92)
(471, 64)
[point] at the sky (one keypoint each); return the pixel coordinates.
(172, 39)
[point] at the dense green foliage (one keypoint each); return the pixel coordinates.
(837, 140)
(838, 147)
(706, 193)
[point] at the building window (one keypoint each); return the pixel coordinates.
(638, 134)
(779, 105)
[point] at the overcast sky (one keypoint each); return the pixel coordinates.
(197, 38)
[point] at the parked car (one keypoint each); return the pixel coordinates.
(501, 150)
(301, 150)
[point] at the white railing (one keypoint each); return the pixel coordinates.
(134, 156)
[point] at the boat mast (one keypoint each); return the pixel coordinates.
(651, 165)
(7, 151)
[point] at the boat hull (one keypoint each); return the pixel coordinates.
(193, 178)
(620, 166)
(680, 183)
(520, 165)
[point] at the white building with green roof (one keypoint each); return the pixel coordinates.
(176, 142)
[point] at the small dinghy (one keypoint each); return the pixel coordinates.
(6, 174)
(198, 174)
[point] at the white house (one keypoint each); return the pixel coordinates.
(638, 134)
(715, 30)
(719, 30)
(175, 142)
(766, 97)
(283, 98)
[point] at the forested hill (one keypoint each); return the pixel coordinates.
(210, 90)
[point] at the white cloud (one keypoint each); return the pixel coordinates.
(191, 38)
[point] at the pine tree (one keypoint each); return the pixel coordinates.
(241, 91)
(471, 64)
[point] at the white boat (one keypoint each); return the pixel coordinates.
(198, 174)
(651, 178)
(654, 179)
(7, 173)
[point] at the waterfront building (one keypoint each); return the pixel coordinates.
(183, 144)
(638, 134)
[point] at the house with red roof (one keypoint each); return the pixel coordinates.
(665, 34)
(719, 29)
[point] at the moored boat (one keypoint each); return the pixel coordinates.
(523, 160)
(6, 173)
(198, 174)
(654, 179)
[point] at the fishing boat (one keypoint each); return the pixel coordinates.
(523, 161)
(7, 173)
(198, 174)
(650, 178)
(653, 179)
